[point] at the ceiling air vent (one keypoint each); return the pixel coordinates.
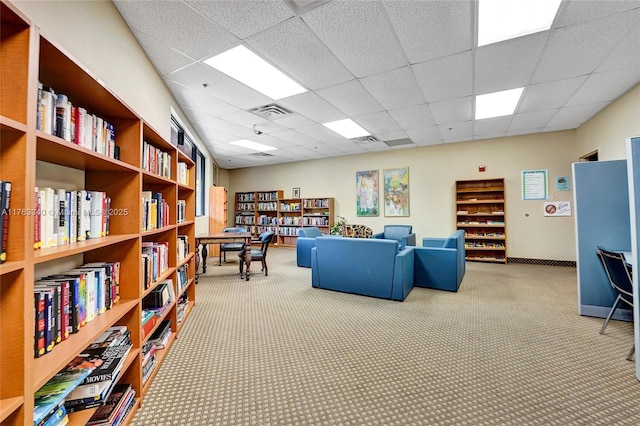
(399, 142)
(261, 154)
(271, 111)
(365, 139)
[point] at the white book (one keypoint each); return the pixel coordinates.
(72, 198)
(61, 220)
(95, 216)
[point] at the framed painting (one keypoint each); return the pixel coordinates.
(367, 190)
(396, 192)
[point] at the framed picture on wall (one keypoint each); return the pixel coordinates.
(367, 193)
(396, 192)
(296, 192)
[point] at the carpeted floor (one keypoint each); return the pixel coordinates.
(508, 349)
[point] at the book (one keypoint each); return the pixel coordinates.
(56, 418)
(52, 394)
(111, 337)
(107, 413)
(39, 332)
(5, 199)
(112, 360)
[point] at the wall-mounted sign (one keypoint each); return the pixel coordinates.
(534, 185)
(557, 208)
(562, 183)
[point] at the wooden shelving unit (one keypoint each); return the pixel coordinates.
(480, 213)
(27, 57)
(218, 214)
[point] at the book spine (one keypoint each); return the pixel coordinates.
(39, 332)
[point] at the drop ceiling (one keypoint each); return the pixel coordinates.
(406, 71)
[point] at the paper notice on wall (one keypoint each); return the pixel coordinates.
(534, 185)
(557, 208)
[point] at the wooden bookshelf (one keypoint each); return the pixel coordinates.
(27, 58)
(480, 213)
(218, 214)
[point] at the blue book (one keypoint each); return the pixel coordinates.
(51, 395)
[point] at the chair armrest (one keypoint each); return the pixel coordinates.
(437, 268)
(411, 240)
(403, 274)
(433, 242)
(379, 236)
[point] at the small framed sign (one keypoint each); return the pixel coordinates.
(296, 192)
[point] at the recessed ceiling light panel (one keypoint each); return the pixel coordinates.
(248, 68)
(252, 145)
(500, 20)
(497, 104)
(347, 128)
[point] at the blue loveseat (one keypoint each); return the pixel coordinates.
(365, 266)
(440, 262)
(401, 233)
(304, 243)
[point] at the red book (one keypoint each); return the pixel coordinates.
(39, 340)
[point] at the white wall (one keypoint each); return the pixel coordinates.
(432, 174)
(97, 37)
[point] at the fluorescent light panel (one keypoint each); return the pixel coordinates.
(245, 143)
(347, 128)
(497, 104)
(500, 20)
(248, 68)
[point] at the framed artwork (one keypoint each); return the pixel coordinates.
(296, 192)
(396, 192)
(367, 190)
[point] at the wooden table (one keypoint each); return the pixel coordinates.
(221, 238)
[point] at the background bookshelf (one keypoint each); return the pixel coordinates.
(480, 213)
(30, 158)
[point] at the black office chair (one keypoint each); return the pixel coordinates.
(619, 273)
(257, 254)
(224, 248)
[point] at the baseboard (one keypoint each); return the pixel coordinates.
(547, 262)
(603, 311)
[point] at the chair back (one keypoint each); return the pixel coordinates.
(619, 273)
(396, 232)
(235, 229)
(265, 239)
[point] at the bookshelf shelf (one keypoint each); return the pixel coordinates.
(35, 158)
(480, 212)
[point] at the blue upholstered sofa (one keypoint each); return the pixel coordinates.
(440, 262)
(401, 233)
(365, 266)
(304, 243)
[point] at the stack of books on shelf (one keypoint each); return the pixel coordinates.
(183, 173)
(66, 217)
(155, 211)
(160, 298)
(245, 207)
(86, 382)
(181, 309)
(290, 207)
(289, 230)
(273, 205)
(156, 161)
(182, 275)
(66, 302)
(57, 116)
(183, 247)
(182, 211)
(108, 354)
(316, 221)
(116, 408)
(5, 212)
(148, 361)
(161, 335)
(267, 220)
(155, 260)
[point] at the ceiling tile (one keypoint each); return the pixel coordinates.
(246, 17)
(351, 98)
(164, 58)
(190, 98)
(378, 122)
(312, 106)
(492, 126)
(574, 116)
(219, 86)
(579, 49)
(626, 54)
(414, 117)
(452, 111)
(431, 29)
(460, 132)
(531, 120)
(248, 120)
(605, 86)
(445, 78)
(296, 138)
(426, 136)
(503, 66)
(353, 30)
(294, 121)
(321, 133)
(299, 53)
(155, 18)
(394, 89)
(574, 12)
(540, 97)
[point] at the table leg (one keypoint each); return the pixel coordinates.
(204, 258)
(197, 260)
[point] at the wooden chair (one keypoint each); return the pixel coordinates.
(255, 254)
(224, 248)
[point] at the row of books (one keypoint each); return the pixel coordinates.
(249, 196)
(272, 206)
(155, 260)
(182, 211)
(65, 217)
(290, 207)
(57, 116)
(181, 308)
(316, 203)
(245, 220)
(315, 221)
(156, 161)
(155, 211)
(66, 302)
(263, 219)
(5, 212)
(88, 381)
(182, 277)
(246, 207)
(149, 361)
(183, 173)
(268, 196)
(183, 247)
(290, 220)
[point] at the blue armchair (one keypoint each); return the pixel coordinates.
(305, 242)
(401, 233)
(440, 262)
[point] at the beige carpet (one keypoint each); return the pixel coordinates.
(508, 349)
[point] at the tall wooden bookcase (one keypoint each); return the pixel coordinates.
(218, 214)
(480, 213)
(26, 58)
